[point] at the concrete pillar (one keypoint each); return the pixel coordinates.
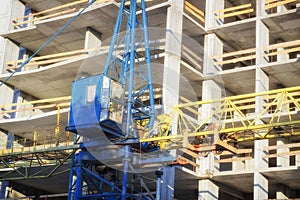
(260, 182)
(208, 190)
(281, 56)
(260, 8)
(210, 17)
(297, 160)
(283, 160)
(262, 41)
(9, 10)
(212, 46)
(281, 8)
(238, 165)
(171, 80)
(93, 39)
(9, 51)
(208, 166)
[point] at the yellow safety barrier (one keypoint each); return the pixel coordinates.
(195, 12)
(234, 11)
(274, 3)
(52, 12)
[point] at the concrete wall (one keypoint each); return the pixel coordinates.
(9, 10)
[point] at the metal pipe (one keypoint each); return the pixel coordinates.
(125, 173)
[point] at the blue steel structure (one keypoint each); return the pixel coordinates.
(94, 98)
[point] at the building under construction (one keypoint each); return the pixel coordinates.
(226, 93)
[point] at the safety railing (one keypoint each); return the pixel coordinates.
(247, 55)
(194, 12)
(283, 152)
(287, 50)
(271, 4)
(40, 138)
(44, 104)
(235, 162)
(244, 10)
(40, 61)
(64, 9)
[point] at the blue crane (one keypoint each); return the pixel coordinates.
(112, 106)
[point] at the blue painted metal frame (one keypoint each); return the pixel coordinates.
(124, 71)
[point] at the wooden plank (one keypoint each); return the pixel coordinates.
(270, 1)
(282, 146)
(226, 146)
(290, 153)
(248, 5)
(239, 151)
(281, 45)
(200, 12)
(44, 17)
(235, 13)
(57, 99)
(235, 60)
(53, 9)
(202, 148)
(188, 161)
(229, 160)
(195, 14)
(235, 53)
(45, 62)
(55, 55)
(191, 153)
(283, 51)
(33, 108)
(268, 6)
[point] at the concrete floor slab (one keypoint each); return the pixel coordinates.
(284, 25)
(44, 124)
(240, 181)
(238, 35)
(289, 176)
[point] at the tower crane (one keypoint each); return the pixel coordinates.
(108, 109)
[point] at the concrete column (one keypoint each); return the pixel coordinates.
(284, 160)
(281, 8)
(260, 182)
(92, 39)
(9, 10)
(212, 46)
(171, 80)
(210, 17)
(237, 165)
(9, 51)
(208, 166)
(262, 40)
(260, 8)
(171, 77)
(208, 190)
(297, 160)
(261, 85)
(281, 56)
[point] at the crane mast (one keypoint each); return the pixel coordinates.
(111, 105)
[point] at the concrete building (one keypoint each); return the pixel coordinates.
(207, 50)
